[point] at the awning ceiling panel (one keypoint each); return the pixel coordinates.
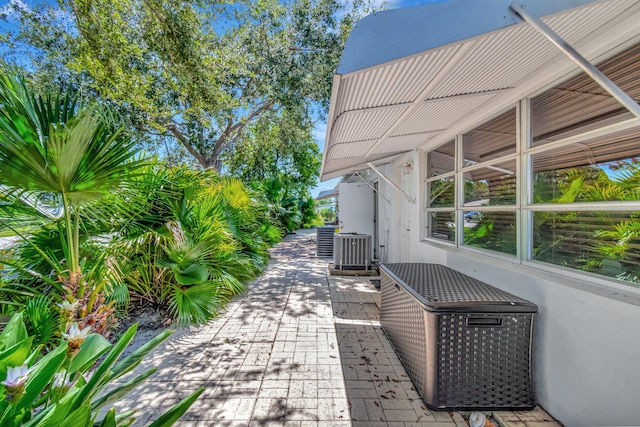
(402, 103)
(396, 83)
(361, 125)
(343, 163)
(438, 114)
(510, 61)
(343, 151)
(404, 143)
(496, 51)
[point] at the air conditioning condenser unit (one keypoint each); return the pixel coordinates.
(351, 251)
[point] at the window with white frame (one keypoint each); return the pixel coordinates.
(440, 185)
(584, 154)
(579, 179)
(489, 179)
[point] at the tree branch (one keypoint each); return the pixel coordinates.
(243, 123)
(226, 137)
(173, 128)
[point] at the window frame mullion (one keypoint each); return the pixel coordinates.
(459, 196)
(525, 183)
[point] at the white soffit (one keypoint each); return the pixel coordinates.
(365, 124)
(407, 75)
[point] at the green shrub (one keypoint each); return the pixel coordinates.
(197, 241)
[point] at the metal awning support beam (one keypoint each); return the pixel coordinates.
(591, 70)
(375, 190)
(391, 183)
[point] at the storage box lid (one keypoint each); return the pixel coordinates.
(439, 288)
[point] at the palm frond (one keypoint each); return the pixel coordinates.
(194, 304)
(55, 144)
(41, 319)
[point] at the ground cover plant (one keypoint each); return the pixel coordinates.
(61, 389)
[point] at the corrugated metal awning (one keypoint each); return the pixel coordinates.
(408, 76)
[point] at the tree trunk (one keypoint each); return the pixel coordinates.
(213, 163)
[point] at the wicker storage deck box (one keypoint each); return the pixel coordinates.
(465, 344)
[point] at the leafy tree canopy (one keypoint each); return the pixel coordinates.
(196, 72)
(279, 147)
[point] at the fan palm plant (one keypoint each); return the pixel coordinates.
(199, 239)
(57, 144)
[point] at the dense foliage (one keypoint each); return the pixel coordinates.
(231, 86)
(195, 242)
(101, 228)
(195, 74)
(278, 158)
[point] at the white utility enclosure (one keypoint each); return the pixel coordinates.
(355, 208)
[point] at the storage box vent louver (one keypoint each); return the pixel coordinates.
(351, 251)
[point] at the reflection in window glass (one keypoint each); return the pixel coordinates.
(580, 104)
(442, 225)
(494, 231)
(441, 193)
(598, 165)
(491, 140)
(493, 185)
(605, 243)
(441, 160)
(605, 169)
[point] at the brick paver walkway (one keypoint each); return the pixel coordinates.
(300, 348)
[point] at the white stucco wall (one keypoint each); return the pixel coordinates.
(587, 338)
